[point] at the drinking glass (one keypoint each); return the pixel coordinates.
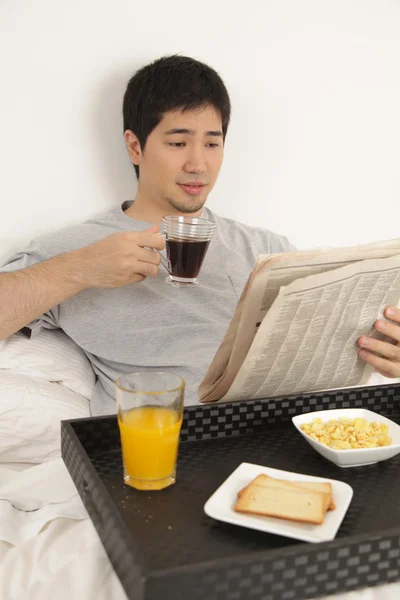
(150, 410)
(187, 241)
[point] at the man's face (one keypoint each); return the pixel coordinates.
(181, 159)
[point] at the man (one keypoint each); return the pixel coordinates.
(100, 281)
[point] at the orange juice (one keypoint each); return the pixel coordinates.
(149, 440)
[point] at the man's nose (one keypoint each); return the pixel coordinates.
(195, 162)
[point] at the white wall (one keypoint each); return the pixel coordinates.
(314, 146)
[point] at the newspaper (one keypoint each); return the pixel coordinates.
(298, 319)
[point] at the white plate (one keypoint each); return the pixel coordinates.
(220, 505)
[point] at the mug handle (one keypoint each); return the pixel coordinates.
(166, 263)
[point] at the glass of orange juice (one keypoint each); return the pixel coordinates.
(150, 411)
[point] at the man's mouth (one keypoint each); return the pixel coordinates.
(193, 187)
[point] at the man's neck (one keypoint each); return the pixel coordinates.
(150, 212)
(141, 213)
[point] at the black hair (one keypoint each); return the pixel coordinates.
(171, 83)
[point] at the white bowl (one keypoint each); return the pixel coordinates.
(356, 457)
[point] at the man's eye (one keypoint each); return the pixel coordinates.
(176, 144)
(212, 145)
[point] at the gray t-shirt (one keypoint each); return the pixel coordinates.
(151, 325)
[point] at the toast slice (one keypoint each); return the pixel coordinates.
(305, 506)
(322, 487)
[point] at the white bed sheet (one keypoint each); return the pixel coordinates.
(67, 561)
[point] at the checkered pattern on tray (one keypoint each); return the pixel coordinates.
(292, 577)
(218, 420)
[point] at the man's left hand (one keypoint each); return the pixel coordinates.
(383, 356)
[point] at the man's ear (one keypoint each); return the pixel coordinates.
(133, 147)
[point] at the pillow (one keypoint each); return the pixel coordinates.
(30, 413)
(49, 355)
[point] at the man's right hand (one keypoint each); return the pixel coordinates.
(120, 259)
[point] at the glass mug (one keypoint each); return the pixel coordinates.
(186, 243)
(150, 411)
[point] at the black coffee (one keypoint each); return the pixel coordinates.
(186, 257)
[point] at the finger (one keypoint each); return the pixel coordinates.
(149, 256)
(138, 278)
(152, 229)
(389, 329)
(146, 269)
(385, 349)
(385, 367)
(393, 313)
(150, 240)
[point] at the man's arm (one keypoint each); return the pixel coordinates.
(115, 261)
(29, 293)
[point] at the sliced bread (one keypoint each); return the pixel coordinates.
(306, 506)
(322, 487)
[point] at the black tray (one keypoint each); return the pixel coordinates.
(163, 546)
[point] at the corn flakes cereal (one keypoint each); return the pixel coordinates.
(347, 434)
